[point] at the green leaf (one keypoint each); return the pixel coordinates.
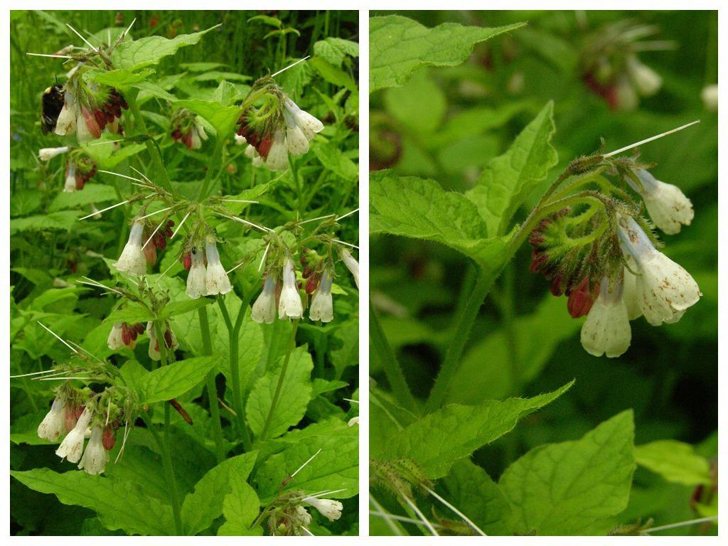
(399, 46)
(131, 313)
(62, 220)
(92, 193)
(454, 432)
(120, 79)
(149, 51)
(295, 394)
(415, 207)
(334, 50)
(184, 306)
(205, 504)
(420, 105)
(240, 508)
(174, 379)
(222, 118)
(334, 160)
(332, 74)
(476, 495)
(508, 179)
(571, 488)
(118, 503)
(675, 461)
(335, 467)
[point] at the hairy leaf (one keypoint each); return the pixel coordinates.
(399, 46)
(508, 179)
(240, 508)
(295, 394)
(133, 55)
(454, 432)
(174, 379)
(675, 461)
(572, 487)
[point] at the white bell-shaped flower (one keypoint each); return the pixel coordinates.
(72, 445)
(66, 122)
(132, 260)
(295, 139)
(351, 264)
(353, 421)
(322, 305)
(308, 124)
(154, 352)
(606, 329)
(216, 280)
(629, 290)
(83, 133)
(264, 308)
(240, 140)
(46, 154)
(277, 159)
(301, 516)
(95, 457)
(70, 186)
(709, 96)
(115, 341)
(54, 423)
(667, 205)
(290, 305)
(328, 508)
(197, 278)
(664, 289)
(647, 81)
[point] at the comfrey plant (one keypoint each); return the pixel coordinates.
(601, 253)
(237, 374)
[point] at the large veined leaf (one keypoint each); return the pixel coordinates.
(92, 193)
(399, 46)
(205, 504)
(118, 503)
(120, 79)
(334, 160)
(137, 54)
(474, 493)
(415, 207)
(675, 461)
(454, 432)
(222, 118)
(571, 488)
(61, 220)
(175, 379)
(508, 179)
(295, 394)
(240, 508)
(335, 466)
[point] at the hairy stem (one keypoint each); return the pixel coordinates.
(392, 369)
(279, 386)
(210, 380)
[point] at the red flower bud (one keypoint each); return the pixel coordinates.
(187, 260)
(108, 439)
(580, 299)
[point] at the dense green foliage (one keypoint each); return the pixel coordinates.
(465, 140)
(254, 402)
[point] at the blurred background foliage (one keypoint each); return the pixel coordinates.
(446, 124)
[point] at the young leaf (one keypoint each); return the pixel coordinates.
(222, 118)
(508, 179)
(240, 508)
(174, 379)
(133, 55)
(454, 432)
(295, 394)
(415, 207)
(119, 504)
(675, 461)
(205, 504)
(120, 79)
(572, 487)
(399, 46)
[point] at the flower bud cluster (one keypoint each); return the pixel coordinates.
(187, 130)
(207, 276)
(79, 170)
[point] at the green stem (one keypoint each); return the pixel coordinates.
(392, 369)
(234, 335)
(153, 151)
(279, 386)
(464, 324)
(210, 380)
(507, 308)
(216, 155)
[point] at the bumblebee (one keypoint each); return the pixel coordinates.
(51, 106)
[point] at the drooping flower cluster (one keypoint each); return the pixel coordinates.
(205, 280)
(142, 245)
(79, 170)
(275, 128)
(79, 421)
(281, 288)
(187, 129)
(611, 69)
(288, 516)
(88, 109)
(606, 261)
(124, 335)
